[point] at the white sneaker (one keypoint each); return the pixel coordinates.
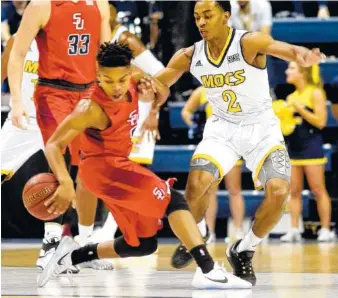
(292, 236)
(47, 251)
(60, 262)
(95, 264)
(218, 278)
(325, 235)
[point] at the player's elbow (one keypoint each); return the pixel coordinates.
(52, 147)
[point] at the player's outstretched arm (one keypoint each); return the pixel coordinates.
(105, 16)
(5, 58)
(259, 43)
(36, 15)
(177, 66)
(86, 114)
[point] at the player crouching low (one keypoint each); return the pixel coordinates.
(136, 197)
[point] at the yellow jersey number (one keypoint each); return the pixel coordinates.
(233, 106)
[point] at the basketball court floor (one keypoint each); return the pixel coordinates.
(308, 270)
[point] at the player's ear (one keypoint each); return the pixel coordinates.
(226, 17)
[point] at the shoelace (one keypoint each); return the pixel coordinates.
(246, 265)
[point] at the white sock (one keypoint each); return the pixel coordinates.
(53, 230)
(85, 232)
(110, 226)
(294, 230)
(202, 226)
(249, 242)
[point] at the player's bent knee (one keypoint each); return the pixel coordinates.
(276, 165)
(177, 202)
(147, 247)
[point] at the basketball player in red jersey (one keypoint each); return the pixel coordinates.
(68, 35)
(136, 197)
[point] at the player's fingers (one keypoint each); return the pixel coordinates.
(158, 135)
(52, 208)
(51, 200)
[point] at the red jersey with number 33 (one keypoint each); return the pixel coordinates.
(70, 41)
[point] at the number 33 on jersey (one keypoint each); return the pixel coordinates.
(78, 43)
(69, 42)
(235, 89)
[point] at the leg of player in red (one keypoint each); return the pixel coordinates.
(68, 34)
(136, 197)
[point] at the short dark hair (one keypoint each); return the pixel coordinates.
(114, 55)
(225, 5)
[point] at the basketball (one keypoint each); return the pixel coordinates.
(39, 188)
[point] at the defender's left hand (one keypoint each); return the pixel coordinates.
(311, 57)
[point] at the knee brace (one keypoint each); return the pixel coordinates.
(177, 202)
(205, 165)
(147, 247)
(276, 165)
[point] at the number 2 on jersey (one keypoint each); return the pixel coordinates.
(78, 44)
(233, 106)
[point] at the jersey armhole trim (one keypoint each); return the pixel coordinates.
(240, 44)
(192, 56)
(48, 22)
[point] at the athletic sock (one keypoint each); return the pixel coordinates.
(84, 254)
(202, 258)
(85, 232)
(52, 230)
(202, 226)
(249, 242)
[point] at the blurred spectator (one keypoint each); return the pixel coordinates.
(251, 15)
(305, 147)
(196, 101)
(323, 10)
(11, 15)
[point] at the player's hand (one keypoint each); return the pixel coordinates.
(151, 124)
(18, 112)
(61, 199)
(147, 83)
(147, 89)
(310, 57)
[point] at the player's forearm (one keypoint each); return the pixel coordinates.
(286, 51)
(57, 163)
(162, 94)
(187, 117)
(312, 118)
(14, 71)
(105, 32)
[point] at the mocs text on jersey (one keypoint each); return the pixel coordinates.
(219, 80)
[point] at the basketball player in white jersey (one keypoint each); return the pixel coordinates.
(231, 65)
(143, 148)
(18, 145)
